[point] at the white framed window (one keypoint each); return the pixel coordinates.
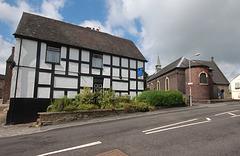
(158, 85)
(53, 55)
(237, 85)
(97, 61)
(167, 83)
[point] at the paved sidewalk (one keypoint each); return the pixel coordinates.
(23, 129)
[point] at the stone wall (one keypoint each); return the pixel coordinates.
(48, 118)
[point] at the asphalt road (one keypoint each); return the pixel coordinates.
(205, 131)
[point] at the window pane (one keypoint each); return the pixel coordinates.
(53, 55)
(97, 61)
(203, 78)
(237, 85)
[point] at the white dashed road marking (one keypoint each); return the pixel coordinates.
(72, 148)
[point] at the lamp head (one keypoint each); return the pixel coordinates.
(197, 54)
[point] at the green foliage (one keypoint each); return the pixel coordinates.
(129, 107)
(106, 99)
(87, 107)
(85, 97)
(162, 98)
(142, 107)
(59, 104)
(70, 108)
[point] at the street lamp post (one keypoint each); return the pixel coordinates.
(190, 80)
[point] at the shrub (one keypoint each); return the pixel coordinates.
(70, 108)
(129, 107)
(161, 98)
(85, 97)
(142, 107)
(106, 99)
(59, 104)
(87, 107)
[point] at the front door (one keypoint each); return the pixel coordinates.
(97, 84)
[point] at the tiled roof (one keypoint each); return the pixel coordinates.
(46, 29)
(218, 77)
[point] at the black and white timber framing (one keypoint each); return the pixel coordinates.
(36, 82)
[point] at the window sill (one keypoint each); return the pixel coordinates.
(203, 84)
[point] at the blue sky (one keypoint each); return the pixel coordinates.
(168, 28)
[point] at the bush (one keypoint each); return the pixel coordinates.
(129, 107)
(106, 99)
(161, 98)
(87, 107)
(85, 97)
(59, 104)
(142, 107)
(70, 108)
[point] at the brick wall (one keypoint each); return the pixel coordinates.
(1, 86)
(8, 78)
(200, 91)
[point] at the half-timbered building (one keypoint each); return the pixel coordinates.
(53, 58)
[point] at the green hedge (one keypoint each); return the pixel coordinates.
(162, 98)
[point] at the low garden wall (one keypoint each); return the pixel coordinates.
(49, 118)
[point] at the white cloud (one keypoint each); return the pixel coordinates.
(11, 15)
(173, 28)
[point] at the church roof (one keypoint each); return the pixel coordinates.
(218, 77)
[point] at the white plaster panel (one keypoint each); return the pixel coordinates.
(125, 74)
(106, 71)
(106, 83)
(133, 64)
(44, 65)
(86, 81)
(115, 72)
(124, 93)
(124, 62)
(85, 68)
(132, 84)
(133, 74)
(85, 55)
(59, 72)
(58, 94)
(140, 64)
(71, 94)
(28, 53)
(63, 52)
(61, 67)
(106, 59)
(17, 49)
(73, 67)
(116, 93)
(115, 61)
(13, 82)
(26, 81)
(43, 92)
(96, 71)
(133, 94)
(62, 82)
(74, 54)
(44, 78)
(120, 86)
(139, 93)
(140, 85)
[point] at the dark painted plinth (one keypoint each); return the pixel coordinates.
(25, 110)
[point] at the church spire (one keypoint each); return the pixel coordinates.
(158, 66)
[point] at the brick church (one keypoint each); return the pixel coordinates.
(208, 80)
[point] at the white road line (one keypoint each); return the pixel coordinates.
(169, 125)
(226, 112)
(232, 114)
(161, 130)
(208, 119)
(72, 148)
